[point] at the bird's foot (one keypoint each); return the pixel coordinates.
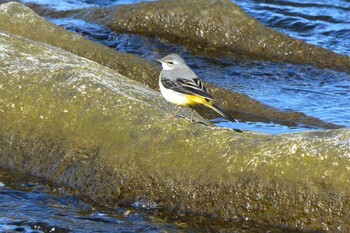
(190, 120)
(176, 116)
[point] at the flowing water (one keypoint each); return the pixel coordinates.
(32, 206)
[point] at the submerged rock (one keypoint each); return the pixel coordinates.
(20, 20)
(83, 125)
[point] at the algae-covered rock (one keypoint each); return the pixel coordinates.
(218, 26)
(20, 20)
(83, 125)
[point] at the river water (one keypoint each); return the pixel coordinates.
(30, 205)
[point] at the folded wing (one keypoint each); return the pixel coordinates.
(187, 86)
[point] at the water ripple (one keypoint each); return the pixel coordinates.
(315, 22)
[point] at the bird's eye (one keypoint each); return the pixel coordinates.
(170, 62)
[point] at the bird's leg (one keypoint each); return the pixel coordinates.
(191, 119)
(175, 113)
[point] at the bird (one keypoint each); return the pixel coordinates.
(180, 86)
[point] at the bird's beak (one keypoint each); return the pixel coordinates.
(158, 60)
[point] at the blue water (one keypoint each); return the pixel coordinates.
(322, 23)
(321, 93)
(30, 205)
(27, 204)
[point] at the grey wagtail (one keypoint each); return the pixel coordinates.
(179, 85)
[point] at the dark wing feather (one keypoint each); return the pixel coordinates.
(187, 86)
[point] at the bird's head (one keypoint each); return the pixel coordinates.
(171, 61)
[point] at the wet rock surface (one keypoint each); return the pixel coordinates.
(218, 26)
(80, 124)
(20, 20)
(213, 27)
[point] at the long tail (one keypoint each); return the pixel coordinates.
(220, 111)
